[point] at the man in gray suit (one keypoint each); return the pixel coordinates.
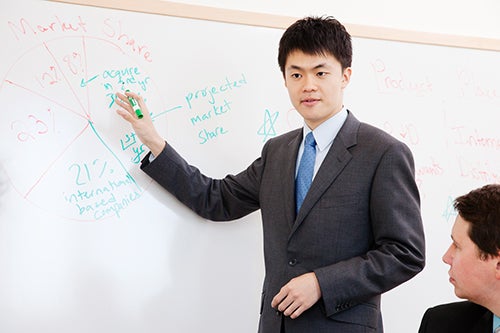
(358, 232)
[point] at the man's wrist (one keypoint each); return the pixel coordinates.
(157, 147)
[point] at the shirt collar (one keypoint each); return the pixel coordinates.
(325, 133)
(496, 322)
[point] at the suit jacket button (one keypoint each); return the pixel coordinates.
(292, 262)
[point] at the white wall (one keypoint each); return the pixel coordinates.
(471, 18)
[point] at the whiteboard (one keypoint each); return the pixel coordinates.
(88, 243)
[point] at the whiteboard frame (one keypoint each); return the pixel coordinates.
(170, 8)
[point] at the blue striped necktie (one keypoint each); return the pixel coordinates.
(306, 169)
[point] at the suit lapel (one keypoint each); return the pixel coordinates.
(485, 323)
(289, 177)
(335, 161)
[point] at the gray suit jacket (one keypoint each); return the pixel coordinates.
(359, 228)
(457, 317)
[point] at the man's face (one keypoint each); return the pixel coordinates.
(473, 277)
(315, 85)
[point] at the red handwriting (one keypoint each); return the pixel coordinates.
(424, 171)
(473, 138)
(477, 170)
(31, 127)
(434, 169)
(50, 77)
(470, 86)
(26, 28)
(74, 62)
(395, 81)
(114, 30)
(406, 132)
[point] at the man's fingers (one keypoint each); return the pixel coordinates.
(125, 114)
(291, 309)
(122, 101)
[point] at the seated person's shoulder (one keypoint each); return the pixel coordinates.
(463, 309)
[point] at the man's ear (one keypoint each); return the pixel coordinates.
(346, 76)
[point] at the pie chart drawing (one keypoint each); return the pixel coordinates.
(65, 149)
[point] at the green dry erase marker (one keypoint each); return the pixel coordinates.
(135, 106)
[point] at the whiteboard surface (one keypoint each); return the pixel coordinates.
(90, 243)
